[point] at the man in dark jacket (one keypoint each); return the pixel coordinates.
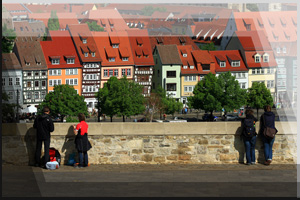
(43, 125)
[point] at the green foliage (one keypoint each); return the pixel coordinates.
(65, 101)
(232, 97)
(45, 36)
(259, 96)
(72, 119)
(120, 97)
(207, 94)
(8, 109)
(53, 23)
(172, 105)
(149, 10)
(8, 37)
(252, 7)
(209, 47)
(93, 26)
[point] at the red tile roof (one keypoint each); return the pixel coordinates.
(137, 37)
(13, 6)
(188, 60)
(253, 40)
(10, 61)
(202, 57)
(102, 40)
(61, 46)
(251, 61)
(226, 56)
(76, 32)
(48, 8)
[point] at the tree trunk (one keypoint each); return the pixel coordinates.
(151, 115)
(211, 116)
(111, 118)
(123, 118)
(257, 112)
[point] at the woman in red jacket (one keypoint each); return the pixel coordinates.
(81, 141)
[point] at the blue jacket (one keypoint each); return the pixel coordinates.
(267, 120)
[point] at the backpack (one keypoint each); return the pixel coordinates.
(249, 128)
(54, 155)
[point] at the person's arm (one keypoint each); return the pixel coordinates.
(51, 125)
(35, 123)
(76, 128)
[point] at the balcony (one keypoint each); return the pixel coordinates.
(143, 72)
(144, 83)
(172, 93)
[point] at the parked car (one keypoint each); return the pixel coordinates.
(209, 117)
(231, 118)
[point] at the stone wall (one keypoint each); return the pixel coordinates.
(151, 143)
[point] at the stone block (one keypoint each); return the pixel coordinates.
(206, 159)
(184, 157)
(147, 158)
(201, 150)
(137, 151)
(205, 141)
(183, 150)
(215, 147)
(225, 142)
(106, 153)
(146, 140)
(159, 159)
(122, 152)
(173, 157)
(224, 151)
(284, 146)
(228, 157)
(215, 142)
(163, 151)
(148, 151)
(148, 145)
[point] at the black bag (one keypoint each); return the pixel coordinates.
(268, 131)
(249, 129)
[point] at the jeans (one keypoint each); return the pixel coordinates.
(250, 149)
(39, 148)
(83, 156)
(268, 145)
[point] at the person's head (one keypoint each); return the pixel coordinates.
(249, 112)
(46, 110)
(267, 108)
(81, 117)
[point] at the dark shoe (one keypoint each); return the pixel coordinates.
(267, 163)
(37, 165)
(248, 164)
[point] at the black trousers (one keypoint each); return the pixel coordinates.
(39, 148)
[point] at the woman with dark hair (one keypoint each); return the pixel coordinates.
(249, 136)
(267, 120)
(81, 141)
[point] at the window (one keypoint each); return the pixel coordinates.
(123, 72)
(3, 81)
(222, 64)
(253, 71)
(243, 85)
(70, 60)
(28, 95)
(36, 95)
(205, 67)
(28, 83)
(36, 83)
(171, 87)
(43, 83)
(10, 81)
(184, 67)
(116, 72)
(54, 82)
(201, 78)
(278, 49)
(43, 94)
(72, 81)
(11, 95)
(257, 58)
(125, 59)
(105, 74)
(71, 71)
(270, 84)
(192, 67)
(283, 50)
(55, 61)
(84, 41)
(111, 59)
(262, 71)
(266, 58)
(235, 63)
(115, 46)
(54, 72)
(111, 73)
(185, 88)
(171, 74)
(128, 72)
(93, 54)
(29, 74)
(36, 74)
(184, 55)
(43, 73)
(17, 81)
(86, 54)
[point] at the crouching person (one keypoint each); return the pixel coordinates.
(249, 136)
(81, 141)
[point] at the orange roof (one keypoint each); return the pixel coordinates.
(253, 40)
(251, 61)
(202, 56)
(227, 56)
(106, 50)
(188, 60)
(14, 6)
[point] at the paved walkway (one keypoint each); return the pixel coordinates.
(231, 180)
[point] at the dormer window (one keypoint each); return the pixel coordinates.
(235, 63)
(184, 66)
(27, 63)
(111, 59)
(125, 59)
(257, 58)
(38, 63)
(86, 54)
(184, 55)
(55, 61)
(70, 60)
(115, 46)
(192, 67)
(93, 54)
(222, 64)
(283, 50)
(84, 41)
(266, 57)
(278, 50)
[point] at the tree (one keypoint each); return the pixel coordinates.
(209, 47)
(172, 105)
(252, 7)
(8, 109)
(207, 94)
(259, 96)
(53, 23)
(8, 37)
(149, 10)
(232, 97)
(93, 26)
(64, 101)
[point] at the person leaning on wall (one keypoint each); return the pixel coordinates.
(81, 141)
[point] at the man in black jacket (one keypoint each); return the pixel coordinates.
(44, 125)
